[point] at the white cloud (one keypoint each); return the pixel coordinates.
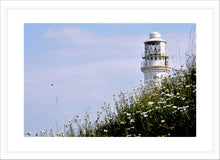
(81, 42)
(96, 52)
(91, 81)
(105, 71)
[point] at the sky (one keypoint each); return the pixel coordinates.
(86, 63)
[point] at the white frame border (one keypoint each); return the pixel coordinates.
(15, 154)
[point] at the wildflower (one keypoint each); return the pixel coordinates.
(132, 120)
(105, 130)
(174, 106)
(122, 122)
(132, 127)
(168, 95)
(183, 98)
(137, 102)
(28, 133)
(187, 86)
(36, 134)
(168, 134)
(168, 105)
(138, 111)
(157, 107)
(150, 103)
(162, 121)
(128, 114)
(174, 111)
(177, 94)
(145, 115)
(194, 91)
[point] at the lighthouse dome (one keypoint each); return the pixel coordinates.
(155, 35)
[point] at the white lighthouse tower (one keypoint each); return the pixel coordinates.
(155, 62)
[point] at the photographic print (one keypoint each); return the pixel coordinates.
(110, 79)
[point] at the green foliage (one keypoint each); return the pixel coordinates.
(165, 109)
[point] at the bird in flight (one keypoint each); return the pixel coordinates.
(52, 84)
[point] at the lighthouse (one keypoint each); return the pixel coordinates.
(155, 62)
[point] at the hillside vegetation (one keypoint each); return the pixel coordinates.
(164, 109)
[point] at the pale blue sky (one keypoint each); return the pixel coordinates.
(87, 63)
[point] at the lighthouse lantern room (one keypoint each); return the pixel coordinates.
(155, 63)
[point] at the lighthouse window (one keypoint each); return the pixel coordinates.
(159, 58)
(148, 58)
(151, 58)
(155, 58)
